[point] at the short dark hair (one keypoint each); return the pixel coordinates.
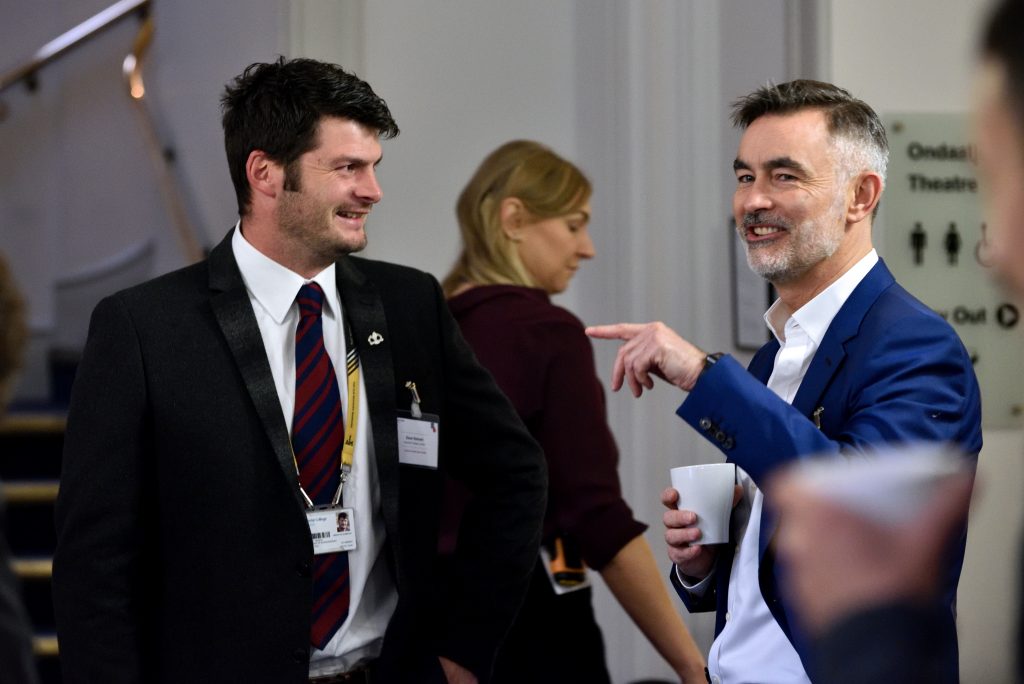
(277, 108)
(1001, 41)
(848, 118)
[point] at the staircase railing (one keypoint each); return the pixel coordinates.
(69, 39)
(162, 155)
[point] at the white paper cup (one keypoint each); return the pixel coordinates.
(707, 491)
(891, 485)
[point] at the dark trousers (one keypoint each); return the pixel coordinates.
(554, 639)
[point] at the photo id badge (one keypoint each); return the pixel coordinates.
(418, 439)
(332, 528)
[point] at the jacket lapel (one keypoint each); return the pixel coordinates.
(365, 312)
(233, 311)
(829, 356)
(824, 365)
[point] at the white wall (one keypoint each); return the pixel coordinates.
(919, 58)
(461, 78)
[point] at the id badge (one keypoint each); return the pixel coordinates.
(332, 529)
(565, 574)
(418, 439)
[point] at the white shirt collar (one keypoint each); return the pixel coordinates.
(815, 316)
(275, 286)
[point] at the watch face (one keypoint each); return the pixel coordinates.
(711, 359)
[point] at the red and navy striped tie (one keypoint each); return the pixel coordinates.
(317, 433)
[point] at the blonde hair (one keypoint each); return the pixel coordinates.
(546, 184)
(12, 331)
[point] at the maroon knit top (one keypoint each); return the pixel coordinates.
(543, 361)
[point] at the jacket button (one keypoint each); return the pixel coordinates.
(300, 655)
(728, 443)
(705, 423)
(302, 568)
(719, 436)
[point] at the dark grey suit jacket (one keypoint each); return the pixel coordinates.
(183, 553)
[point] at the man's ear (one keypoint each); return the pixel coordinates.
(265, 176)
(512, 215)
(867, 191)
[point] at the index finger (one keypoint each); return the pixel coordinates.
(615, 331)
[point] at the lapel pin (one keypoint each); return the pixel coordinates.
(375, 338)
(817, 416)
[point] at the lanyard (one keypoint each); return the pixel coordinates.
(348, 447)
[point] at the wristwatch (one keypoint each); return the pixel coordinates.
(711, 359)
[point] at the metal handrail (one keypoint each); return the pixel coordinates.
(170, 186)
(69, 39)
(170, 183)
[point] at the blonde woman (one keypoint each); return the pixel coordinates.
(523, 217)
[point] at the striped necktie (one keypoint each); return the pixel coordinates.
(317, 433)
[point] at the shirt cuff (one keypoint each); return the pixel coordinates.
(700, 588)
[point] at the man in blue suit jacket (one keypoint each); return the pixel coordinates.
(856, 362)
(863, 633)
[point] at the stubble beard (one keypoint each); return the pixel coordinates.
(313, 229)
(807, 244)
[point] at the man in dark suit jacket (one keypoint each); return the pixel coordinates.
(856, 361)
(184, 553)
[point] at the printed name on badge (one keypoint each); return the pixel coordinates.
(418, 440)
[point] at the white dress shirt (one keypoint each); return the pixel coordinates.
(272, 291)
(752, 648)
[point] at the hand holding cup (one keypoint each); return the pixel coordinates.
(700, 501)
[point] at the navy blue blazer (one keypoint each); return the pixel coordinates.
(889, 370)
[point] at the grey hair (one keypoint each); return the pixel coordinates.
(857, 132)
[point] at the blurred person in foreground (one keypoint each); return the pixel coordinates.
(867, 591)
(855, 363)
(524, 217)
(16, 663)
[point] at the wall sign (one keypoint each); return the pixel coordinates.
(932, 237)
